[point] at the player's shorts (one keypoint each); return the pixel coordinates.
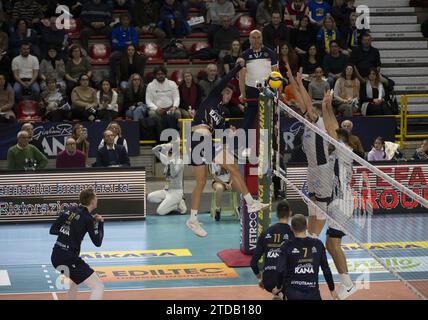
(295, 294)
(335, 233)
(78, 269)
(269, 280)
(201, 159)
(320, 182)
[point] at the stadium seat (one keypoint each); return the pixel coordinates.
(198, 46)
(153, 52)
(74, 30)
(177, 76)
(245, 24)
(99, 54)
(28, 110)
(148, 77)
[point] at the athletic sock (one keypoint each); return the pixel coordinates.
(346, 280)
(249, 199)
(193, 215)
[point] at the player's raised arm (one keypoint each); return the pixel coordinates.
(296, 92)
(305, 97)
(330, 121)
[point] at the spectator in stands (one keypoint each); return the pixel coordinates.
(173, 19)
(7, 101)
(127, 5)
(212, 79)
(4, 38)
(75, 6)
(5, 66)
(348, 8)
(365, 57)
(327, 33)
(84, 100)
(80, 134)
(310, 61)
(372, 96)
(200, 5)
(130, 63)
(318, 9)
(53, 102)
(52, 37)
(53, 66)
(4, 26)
(354, 141)
(146, 19)
(353, 34)
(122, 36)
(275, 32)
(25, 68)
(347, 92)
(340, 16)
(294, 11)
(114, 127)
(75, 67)
(264, 12)
(377, 153)
(224, 37)
(421, 153)
(96, 19)
(217, 10)
(190, 96)
(23, 155)
(334, 63)
(303, 36)
(287, 55)
(28, 127)
(229, 60)
(71, 157)
(163, 99)
(108, 108)
(23, 34)
(111, 154)
(29, 10)
(318, 86)
(134, 102)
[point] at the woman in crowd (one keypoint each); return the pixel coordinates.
(75, 67)
(303, 36)
(21, 35)
(318, 86)
(134, 101)
(229, 60)
(310, 61)
(347, 92)
(53, 101)
(108, 108)
(54, 66)
(130, 63)
(190, 95)
(372, 96)
(80, 134)
(294, 11)
(117, 132)
(287, 55)
(84, 100)
(327, 33)
(7, 100)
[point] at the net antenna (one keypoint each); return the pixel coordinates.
(354, 224)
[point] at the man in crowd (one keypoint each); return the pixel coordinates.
(111, 155)
(163, 100)
(365, 57)
(224, 37)
(275, 32)
(24, 156)
(70, 157)
(354, 141)
(25, 68)
(35, 142)
(422, 152)
(334, 63)
(212, 79)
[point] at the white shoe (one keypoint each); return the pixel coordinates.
(344, 293)
(256, 206)
(196, 228)
(182, 208)
(278, 296)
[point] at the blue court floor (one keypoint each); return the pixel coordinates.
(161, 252)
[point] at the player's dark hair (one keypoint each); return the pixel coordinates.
(298, 224)
(283, 209)
(86, 196)
(343, 133)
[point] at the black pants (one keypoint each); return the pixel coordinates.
(293, 294)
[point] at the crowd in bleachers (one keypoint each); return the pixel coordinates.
(56, 72)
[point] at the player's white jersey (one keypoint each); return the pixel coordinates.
(315, 147)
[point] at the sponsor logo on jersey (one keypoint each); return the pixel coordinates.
(273, 253)
(314, 250)
(295, 251)
(268, 236)
(304, 269)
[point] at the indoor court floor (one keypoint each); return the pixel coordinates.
(159, 258)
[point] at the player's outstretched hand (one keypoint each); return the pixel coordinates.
(98, 218)
(334, 295)
(328, 98)
(241, 62)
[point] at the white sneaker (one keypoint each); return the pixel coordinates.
(278, 296)
(196, 228)
(256, 206)
(344, 293)
(182, 208)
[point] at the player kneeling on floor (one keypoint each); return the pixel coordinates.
(268, 247)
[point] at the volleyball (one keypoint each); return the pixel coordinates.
(275, 80)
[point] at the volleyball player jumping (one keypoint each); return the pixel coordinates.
(208, 118)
